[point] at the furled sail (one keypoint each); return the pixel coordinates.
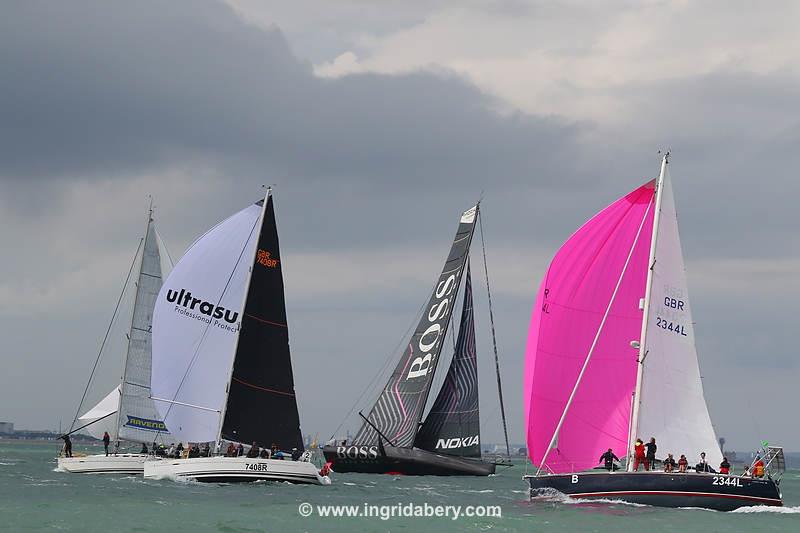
(672, 406)
(453, 424)
(399, 408)
(599, 272)
(195, 321)
(138, 419)
(262, 381)
(102, 413)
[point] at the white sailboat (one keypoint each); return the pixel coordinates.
(127, 413)
(222, 369)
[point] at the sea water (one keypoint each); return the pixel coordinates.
(34, 496)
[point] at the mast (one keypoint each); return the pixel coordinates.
(634, 425)
(130, 328)
(222, 411)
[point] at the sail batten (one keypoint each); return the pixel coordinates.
(399, 408)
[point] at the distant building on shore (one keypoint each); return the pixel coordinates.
(6, 428)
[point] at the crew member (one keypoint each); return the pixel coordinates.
(252, 453)
(144, 449)
(724, 466)
(638, 455)
(608, 459)
(106, 441)
(758, 467)
(650, 458)
(67, 445)
(669, 463)
(683, 463)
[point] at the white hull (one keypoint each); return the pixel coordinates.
(234, 469)
(124, 463)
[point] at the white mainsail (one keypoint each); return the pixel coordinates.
(138, 419)
(201, 300)
(101, 413)
(672, 407)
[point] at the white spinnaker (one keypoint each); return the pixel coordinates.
(107, 407)
(192, 351)
(672, 406)
(138, 419)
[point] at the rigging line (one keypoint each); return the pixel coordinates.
(370, 386)
(208, 325)
(105, 338)
(494, 336)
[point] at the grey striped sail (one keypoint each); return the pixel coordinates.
(453, 424)
(399, 408)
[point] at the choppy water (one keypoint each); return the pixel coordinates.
(35, 497)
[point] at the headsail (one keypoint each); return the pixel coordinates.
(194, 327)
(606, 257)
(398, 410)
(453, 424)
(102, 414)
(138, 419)
(672, 406)
(262, 380)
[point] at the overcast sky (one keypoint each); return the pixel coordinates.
(379, 123)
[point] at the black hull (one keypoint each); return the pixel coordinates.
(708, 491)
(404, 461)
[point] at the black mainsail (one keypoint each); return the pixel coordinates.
(453, 424)
(399, 408)
(262, 383)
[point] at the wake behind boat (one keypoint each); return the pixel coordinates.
(127, 412)
(611, 356)
(222, 370)
(393, 439)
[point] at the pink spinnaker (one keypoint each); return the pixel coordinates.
(569, 309)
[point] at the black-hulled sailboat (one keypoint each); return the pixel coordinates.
(392, 439)
(222, 370)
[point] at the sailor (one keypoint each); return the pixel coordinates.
(171, 450)
(106, 441)
(638, 455)
(669, 463)
(179, 450)
(683, 463)
(703, 465)
(206, 451)
(296, 454)
(608, 458)
(194, 451)
(231, 451)
(240, 450)
(758, 467)
(650, 459)
(252, 453)
(67, 445)
(264, 453)
(144, 449)
(724, 466)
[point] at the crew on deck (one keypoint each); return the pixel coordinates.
(608, 459)
(669, 463)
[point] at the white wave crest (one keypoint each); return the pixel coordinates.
(767, 509)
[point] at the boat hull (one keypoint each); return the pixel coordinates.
(405, 461)
(234, 469)
(662, 489)
(124, 463)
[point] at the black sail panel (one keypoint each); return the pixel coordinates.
(398, 409)
(261, 400)
(453, 424)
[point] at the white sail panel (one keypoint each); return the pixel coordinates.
(138, 419)
(672, 406)
(195, 321)
(105, 408)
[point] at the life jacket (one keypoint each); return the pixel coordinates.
(639, 451)
(326, 469)
(724, 470)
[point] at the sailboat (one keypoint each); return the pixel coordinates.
(611, 357)
(222, 370)
(393, 439)
(127, 413)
